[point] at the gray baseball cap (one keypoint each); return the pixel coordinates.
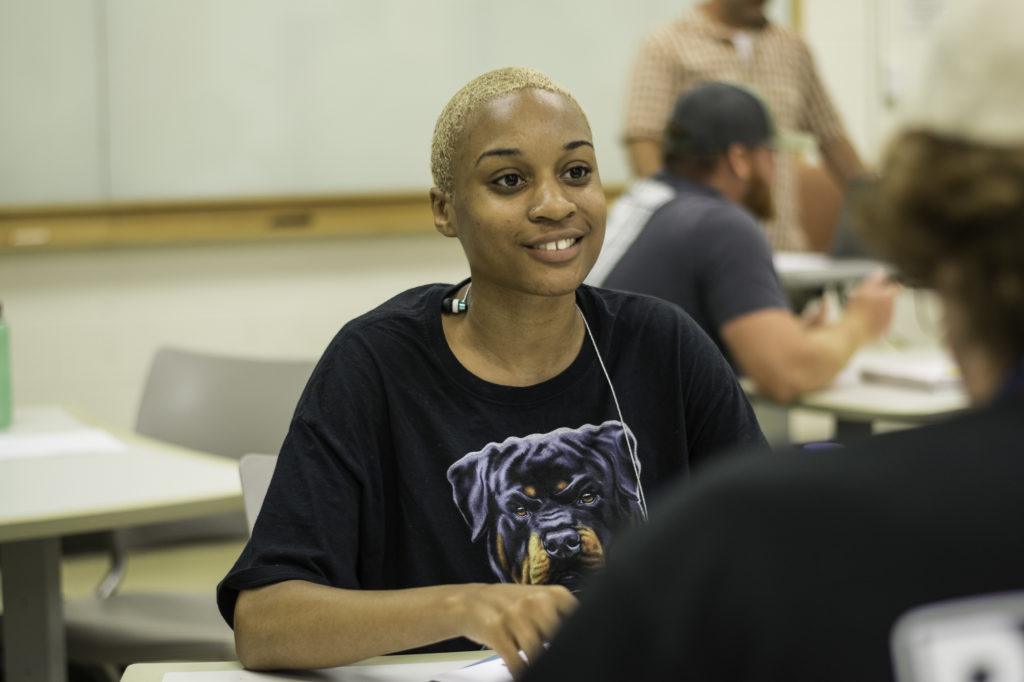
(712, 116)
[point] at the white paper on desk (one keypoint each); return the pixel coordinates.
(487, 670)
(25, 445)
(800, 261)
(930, 374)
(399, 672)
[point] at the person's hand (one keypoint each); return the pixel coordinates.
(872, 302)
(815, 314)
(512, 618)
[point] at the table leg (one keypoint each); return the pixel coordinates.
(34, 640)
(773, 419)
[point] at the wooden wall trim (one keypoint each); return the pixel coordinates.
(40, 228)
(130, 224)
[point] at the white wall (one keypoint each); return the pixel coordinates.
(185, 99)
(116, 99)
(842, 42)
(50, 113)
(84, 325)
(869, 53)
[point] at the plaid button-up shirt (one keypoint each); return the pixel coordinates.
(778, 66)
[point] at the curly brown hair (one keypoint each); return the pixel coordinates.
(945, 201)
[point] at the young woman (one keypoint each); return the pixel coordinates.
(463, 454)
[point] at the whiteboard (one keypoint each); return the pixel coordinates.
(49, 109)
(237, 98)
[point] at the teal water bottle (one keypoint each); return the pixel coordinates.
(6, 403)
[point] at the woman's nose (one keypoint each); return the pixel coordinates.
(550, 202)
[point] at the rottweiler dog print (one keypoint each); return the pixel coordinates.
(546, 504)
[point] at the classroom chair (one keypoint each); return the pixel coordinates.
(219, 404)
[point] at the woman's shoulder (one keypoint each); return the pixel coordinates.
(651, 330)
(412, 306)
(636, 312)
(403, 318)
(398, 330)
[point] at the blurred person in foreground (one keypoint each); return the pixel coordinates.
(795, 568)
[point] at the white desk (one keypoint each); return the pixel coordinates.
(418, 667)
(857, 403)
(60, 476)
(799, 270)
(807, 276)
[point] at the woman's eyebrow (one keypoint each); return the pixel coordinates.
(497, 152)
(512, 151)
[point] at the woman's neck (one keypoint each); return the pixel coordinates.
(518, 341)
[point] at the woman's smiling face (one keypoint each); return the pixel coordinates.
(528, 206)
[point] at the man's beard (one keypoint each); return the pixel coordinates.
(758, 198)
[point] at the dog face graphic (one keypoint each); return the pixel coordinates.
(547, 504)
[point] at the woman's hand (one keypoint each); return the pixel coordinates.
(512, 618)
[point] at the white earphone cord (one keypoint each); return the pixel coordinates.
(632, 453)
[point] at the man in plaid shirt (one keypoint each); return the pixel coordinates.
(733, 41)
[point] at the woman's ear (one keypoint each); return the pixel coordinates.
(441, 207)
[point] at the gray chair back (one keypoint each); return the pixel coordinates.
(255, 472)
(226, 405)
(220, 404)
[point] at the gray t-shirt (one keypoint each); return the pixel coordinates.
(684, 242)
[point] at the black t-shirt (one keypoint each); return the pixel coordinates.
(686, 243)
(403, 469)
(795, 567)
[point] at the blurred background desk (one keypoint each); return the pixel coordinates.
(802, 270)
(806, 276)
(858, 403)
(59, 476)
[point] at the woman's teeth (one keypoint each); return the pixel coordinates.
(560, 245)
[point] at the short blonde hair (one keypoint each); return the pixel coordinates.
(473, 95)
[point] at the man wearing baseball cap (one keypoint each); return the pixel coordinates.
(689, 234)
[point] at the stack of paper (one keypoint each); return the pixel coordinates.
(488, 670)
(923, 373)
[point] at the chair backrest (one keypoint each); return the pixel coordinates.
(255, 471)
(221, 404)
(977, 638)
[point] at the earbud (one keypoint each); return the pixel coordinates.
(453, 305)
(456, 305)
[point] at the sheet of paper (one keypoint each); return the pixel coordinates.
(52, 431)
(799, 261)
(43, 418)
(401, 672)
(488, 670)
(15, 445)
(925, 374)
